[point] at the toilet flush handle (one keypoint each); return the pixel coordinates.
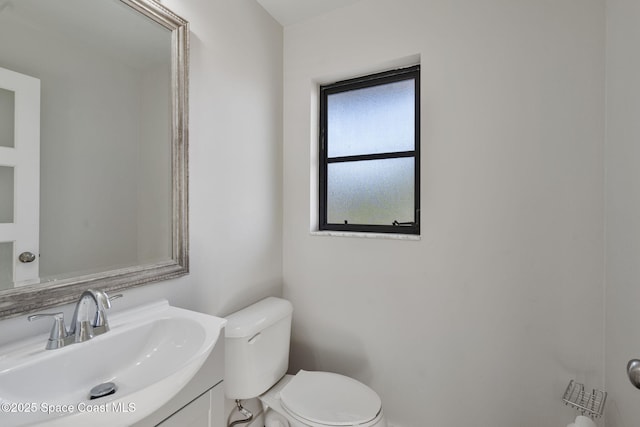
(254, 338)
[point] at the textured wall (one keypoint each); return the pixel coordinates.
(486, 318)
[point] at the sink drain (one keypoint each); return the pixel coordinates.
(102, 390)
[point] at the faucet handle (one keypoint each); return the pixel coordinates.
(58, 330)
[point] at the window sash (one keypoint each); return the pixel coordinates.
(412, 73)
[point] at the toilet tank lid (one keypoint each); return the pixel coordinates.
(253, 319)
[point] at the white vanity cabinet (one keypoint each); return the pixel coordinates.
(205, 411)
(200, 403)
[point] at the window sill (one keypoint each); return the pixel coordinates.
(388, 236)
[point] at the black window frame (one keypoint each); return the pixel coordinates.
(409, 73)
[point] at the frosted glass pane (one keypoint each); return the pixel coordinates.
(372, 192)
(378, 119)
(7, 118)
(6, 265)
(6, 194)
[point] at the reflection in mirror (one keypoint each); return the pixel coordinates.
(7, 101)
(112, 143)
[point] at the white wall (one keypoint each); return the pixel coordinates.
(622, 210)
(235, 154)
(486, 319)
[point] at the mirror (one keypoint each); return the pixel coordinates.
(103, 88)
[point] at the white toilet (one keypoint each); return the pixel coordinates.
(256, 361)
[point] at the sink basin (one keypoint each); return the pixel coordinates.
(150, 353)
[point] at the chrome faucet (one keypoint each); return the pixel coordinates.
(84, 326)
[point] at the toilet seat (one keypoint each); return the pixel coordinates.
(329, 399)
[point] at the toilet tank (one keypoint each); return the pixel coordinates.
(257, 347)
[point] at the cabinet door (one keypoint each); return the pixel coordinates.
(217, 407)
(196, 414)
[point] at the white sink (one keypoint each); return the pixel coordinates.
(150, 353)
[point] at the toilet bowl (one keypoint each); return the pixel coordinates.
(322, 399)
(257, 340)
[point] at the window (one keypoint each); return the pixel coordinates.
(369, 153)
